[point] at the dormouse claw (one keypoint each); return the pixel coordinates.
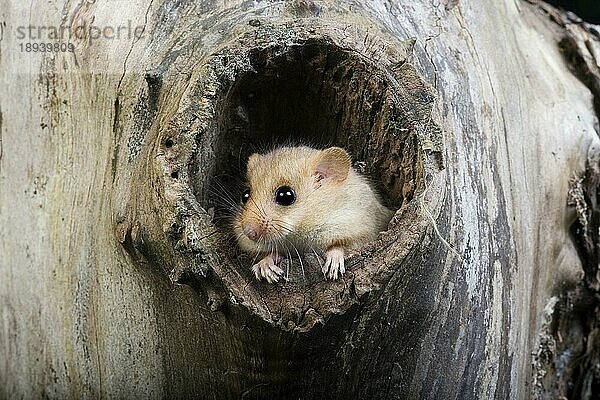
(334, 263)
(267, 268)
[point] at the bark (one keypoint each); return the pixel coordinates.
(119, 277)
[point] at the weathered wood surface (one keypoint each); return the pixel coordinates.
(114, 284)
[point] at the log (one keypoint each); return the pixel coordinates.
(119, 275)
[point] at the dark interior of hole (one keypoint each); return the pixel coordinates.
(319, 95)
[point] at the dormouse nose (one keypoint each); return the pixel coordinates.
(252, 232)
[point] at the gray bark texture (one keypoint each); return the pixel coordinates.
(119, 275)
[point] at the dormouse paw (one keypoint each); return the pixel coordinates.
(334, 263)
(268, 269)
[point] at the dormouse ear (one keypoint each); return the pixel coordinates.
(333, 164)
(252, 160)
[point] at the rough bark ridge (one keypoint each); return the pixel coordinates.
(123, 278)
(567, 361)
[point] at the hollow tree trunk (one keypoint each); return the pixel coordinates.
(119, 279)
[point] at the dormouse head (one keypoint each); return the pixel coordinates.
(289, 192)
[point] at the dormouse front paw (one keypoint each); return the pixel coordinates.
(267, 268)
(334, 262)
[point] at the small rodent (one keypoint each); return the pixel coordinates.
(302, 199)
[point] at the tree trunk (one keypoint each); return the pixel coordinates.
(119, 278)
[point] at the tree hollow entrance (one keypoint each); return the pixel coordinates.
(293, 85)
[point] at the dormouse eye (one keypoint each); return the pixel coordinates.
(285, 196)
(245, 196)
